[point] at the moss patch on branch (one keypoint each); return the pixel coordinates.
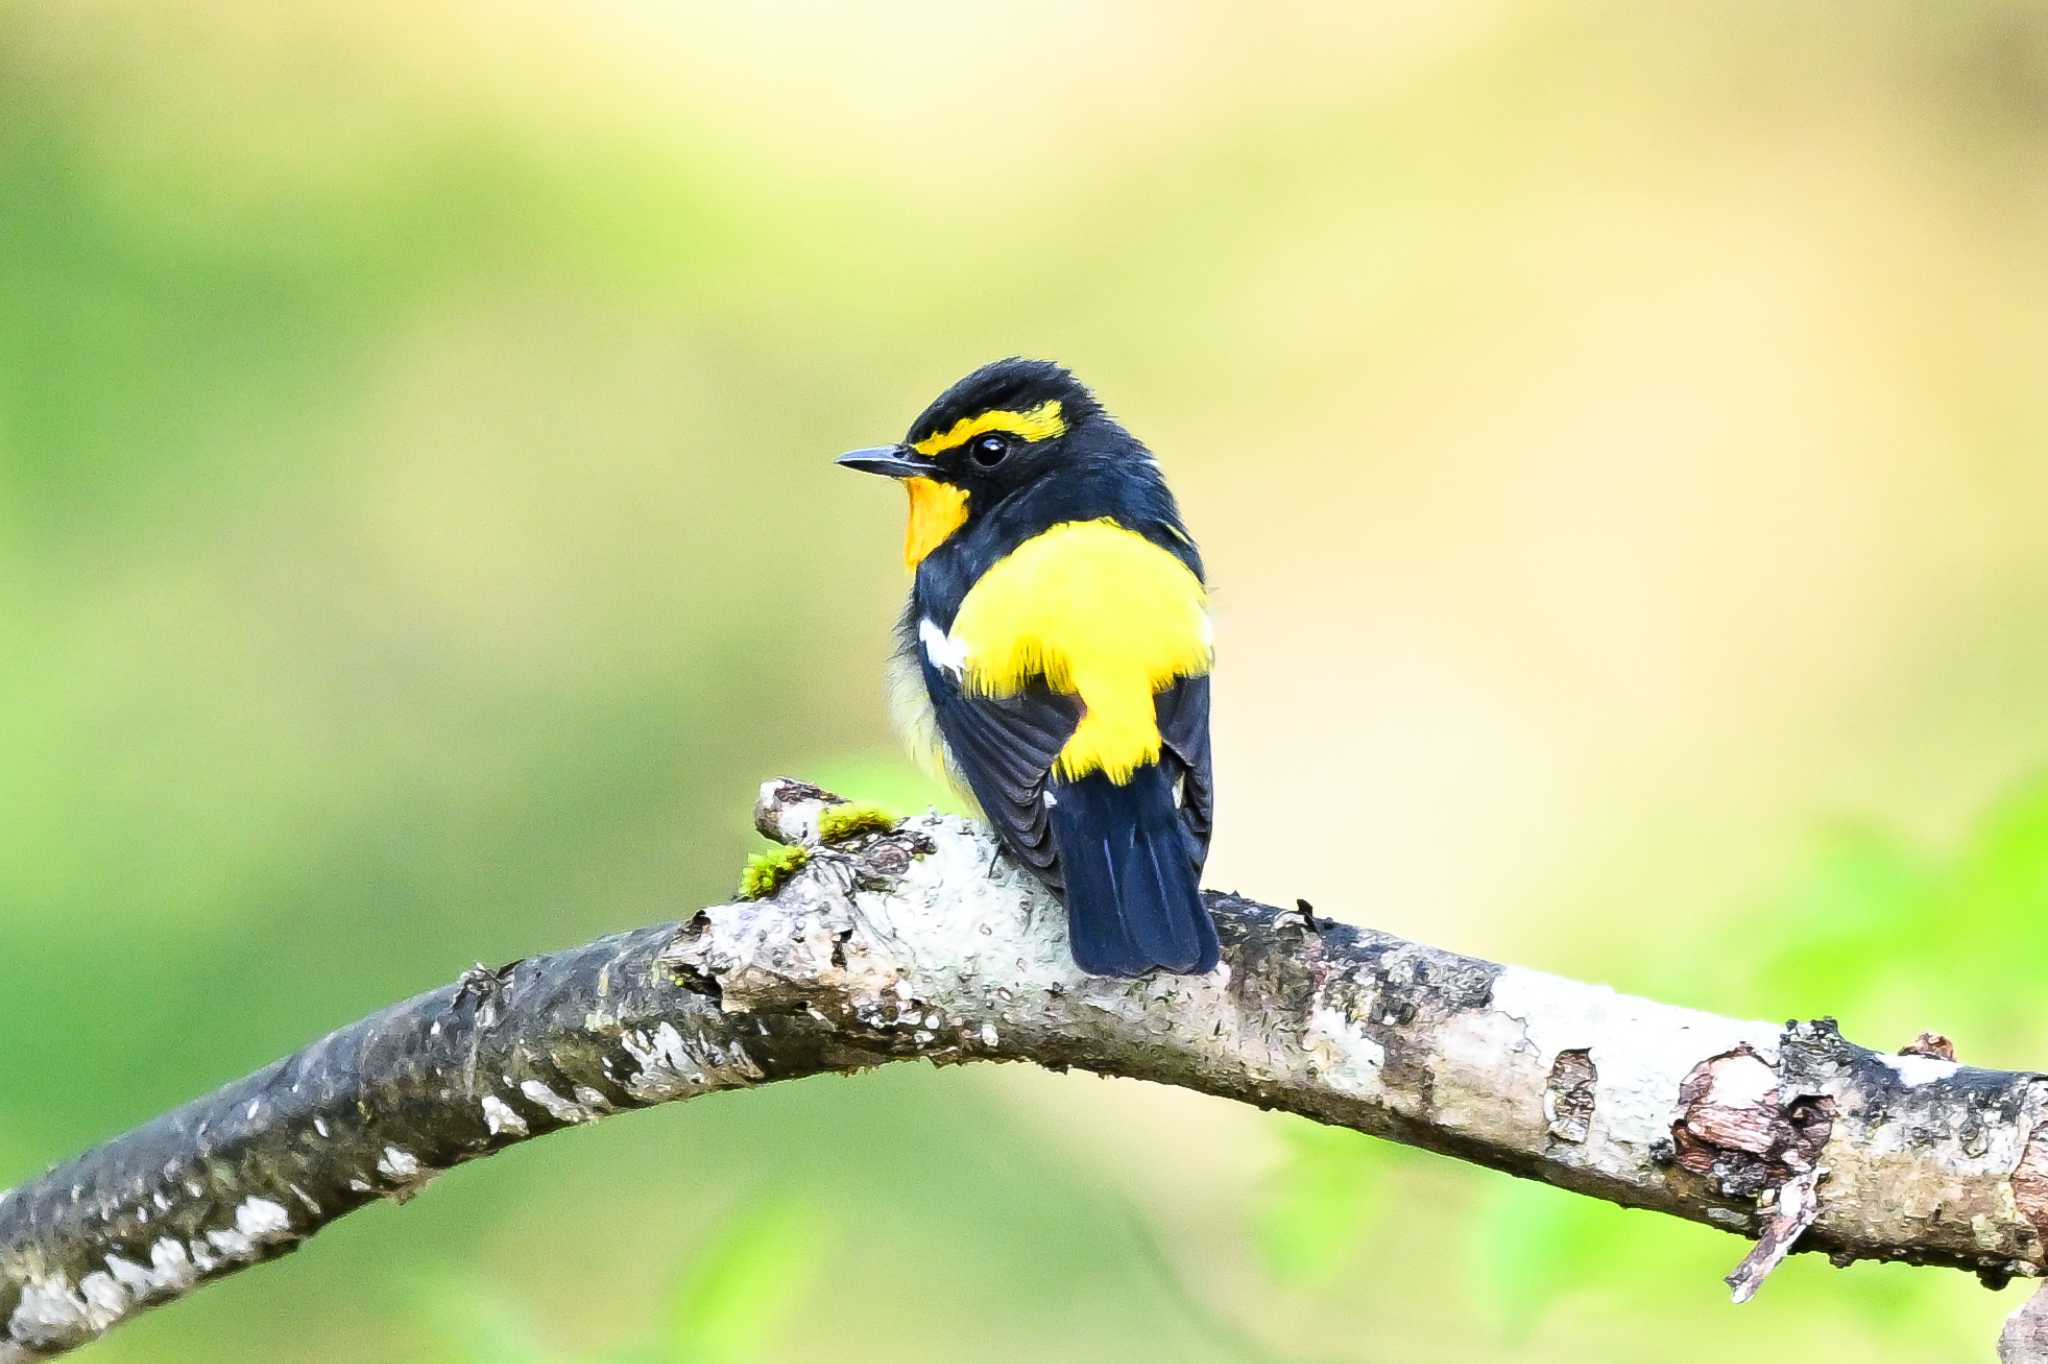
(767, 872)
(838, 823)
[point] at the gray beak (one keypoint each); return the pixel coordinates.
(890, 461)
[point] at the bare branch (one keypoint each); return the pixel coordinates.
(1798, 1206)
(906, 944)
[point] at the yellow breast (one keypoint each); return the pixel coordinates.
(1099, 612)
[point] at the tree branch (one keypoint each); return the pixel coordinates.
(916, 942)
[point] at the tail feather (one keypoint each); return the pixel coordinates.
(1134, 903)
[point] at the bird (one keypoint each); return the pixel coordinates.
(1054, 659)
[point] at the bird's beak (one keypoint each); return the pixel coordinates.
(890, 461)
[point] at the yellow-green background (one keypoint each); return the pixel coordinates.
(1617, 434)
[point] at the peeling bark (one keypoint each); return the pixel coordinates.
(2030, 1180)
(1569, 1097)
(917, 942)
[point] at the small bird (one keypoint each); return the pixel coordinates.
(1056, 651)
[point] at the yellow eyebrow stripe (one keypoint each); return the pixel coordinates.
(1042, 422)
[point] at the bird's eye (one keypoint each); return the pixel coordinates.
(989, 451)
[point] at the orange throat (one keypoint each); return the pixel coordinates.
(936, 511)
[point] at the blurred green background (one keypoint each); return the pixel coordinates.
(1617, 434)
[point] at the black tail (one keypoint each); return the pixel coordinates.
(1134, 903)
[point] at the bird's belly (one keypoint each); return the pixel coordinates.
(1095, 611)
(910, 707)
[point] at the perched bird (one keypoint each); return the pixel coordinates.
(1056, 652)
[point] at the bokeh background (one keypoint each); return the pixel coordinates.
(1617, 433)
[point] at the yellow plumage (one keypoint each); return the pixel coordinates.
(936, 511)
(1099, 612)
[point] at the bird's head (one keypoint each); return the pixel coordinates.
(1003, 427)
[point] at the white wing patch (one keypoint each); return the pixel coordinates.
(946, 653)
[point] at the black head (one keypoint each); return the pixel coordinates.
(1006, 425)
(997, 429)
(1014, 387)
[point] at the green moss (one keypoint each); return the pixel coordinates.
(765, 872)
(837, 823)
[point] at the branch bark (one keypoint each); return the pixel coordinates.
(917, 942)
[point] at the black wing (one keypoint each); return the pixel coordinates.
(1183, 708)
(1003, 748)
(1183, 711)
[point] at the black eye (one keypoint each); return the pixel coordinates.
(990, 451)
